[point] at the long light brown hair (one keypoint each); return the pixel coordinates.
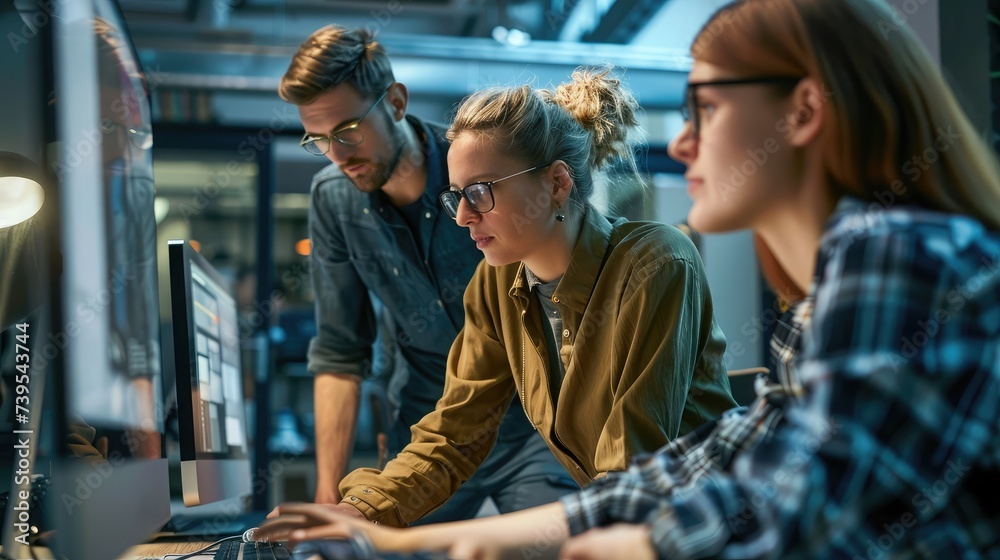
(894, 132)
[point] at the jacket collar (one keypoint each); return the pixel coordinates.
(584, 267)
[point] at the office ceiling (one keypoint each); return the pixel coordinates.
(592, 21)
(442, 49)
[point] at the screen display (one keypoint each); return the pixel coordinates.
(219, 415)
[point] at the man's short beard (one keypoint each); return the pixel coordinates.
(382, 172)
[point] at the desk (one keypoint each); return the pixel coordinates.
(157, 550)
(138, 552)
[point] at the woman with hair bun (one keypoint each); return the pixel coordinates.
(602, 328)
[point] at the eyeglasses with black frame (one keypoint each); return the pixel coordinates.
(690, 110)
(479, 195)
(349, 135)
(140, 136)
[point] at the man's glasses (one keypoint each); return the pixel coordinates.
(139, 136)
(690, 110)
(348, 135)
(479, 195)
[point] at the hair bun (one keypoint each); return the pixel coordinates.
(603, 107)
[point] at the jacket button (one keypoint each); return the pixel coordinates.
(365, 210)
(354, 498)
(366, 491)
(555, 299)
(565, 333)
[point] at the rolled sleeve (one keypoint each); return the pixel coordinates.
(450, 443)
(345, 318)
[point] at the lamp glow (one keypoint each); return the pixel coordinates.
(20, 199)
(303, 247)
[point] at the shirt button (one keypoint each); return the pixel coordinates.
(555, 299)
(440, 304)
(565, 333)
(395, 271)
(365, 210)
(427, 215)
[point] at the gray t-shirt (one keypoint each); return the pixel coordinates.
(544, 291)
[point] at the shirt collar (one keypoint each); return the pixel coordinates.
(584, 264)
(437, 171)
(535, 282)
(437, 174)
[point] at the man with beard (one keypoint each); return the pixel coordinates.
(378, 235)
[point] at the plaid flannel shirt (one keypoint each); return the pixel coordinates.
(881, 436)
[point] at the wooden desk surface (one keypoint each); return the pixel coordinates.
(158, 550)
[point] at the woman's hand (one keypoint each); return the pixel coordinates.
(622, 541)
(304, 522)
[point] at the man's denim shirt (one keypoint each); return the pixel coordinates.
(361, 243)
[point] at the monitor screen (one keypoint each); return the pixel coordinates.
(215, 460)
(98, 357)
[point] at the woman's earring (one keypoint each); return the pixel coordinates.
(559, 215)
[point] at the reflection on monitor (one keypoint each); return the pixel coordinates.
(109, 480)
(215, 461)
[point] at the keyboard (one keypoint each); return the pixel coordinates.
(354, 549)
(239, 550)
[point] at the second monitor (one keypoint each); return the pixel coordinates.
(215, 460)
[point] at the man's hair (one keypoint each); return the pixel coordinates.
(334, 55)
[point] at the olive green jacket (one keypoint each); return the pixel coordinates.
(643, 357)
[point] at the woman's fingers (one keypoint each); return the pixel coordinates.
(316, 513)
(330, 531)
(278, 528)
(301, 522)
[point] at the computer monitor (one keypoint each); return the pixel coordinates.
(211, 419)
(96, 355)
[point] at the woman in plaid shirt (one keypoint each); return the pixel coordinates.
(826, 128)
